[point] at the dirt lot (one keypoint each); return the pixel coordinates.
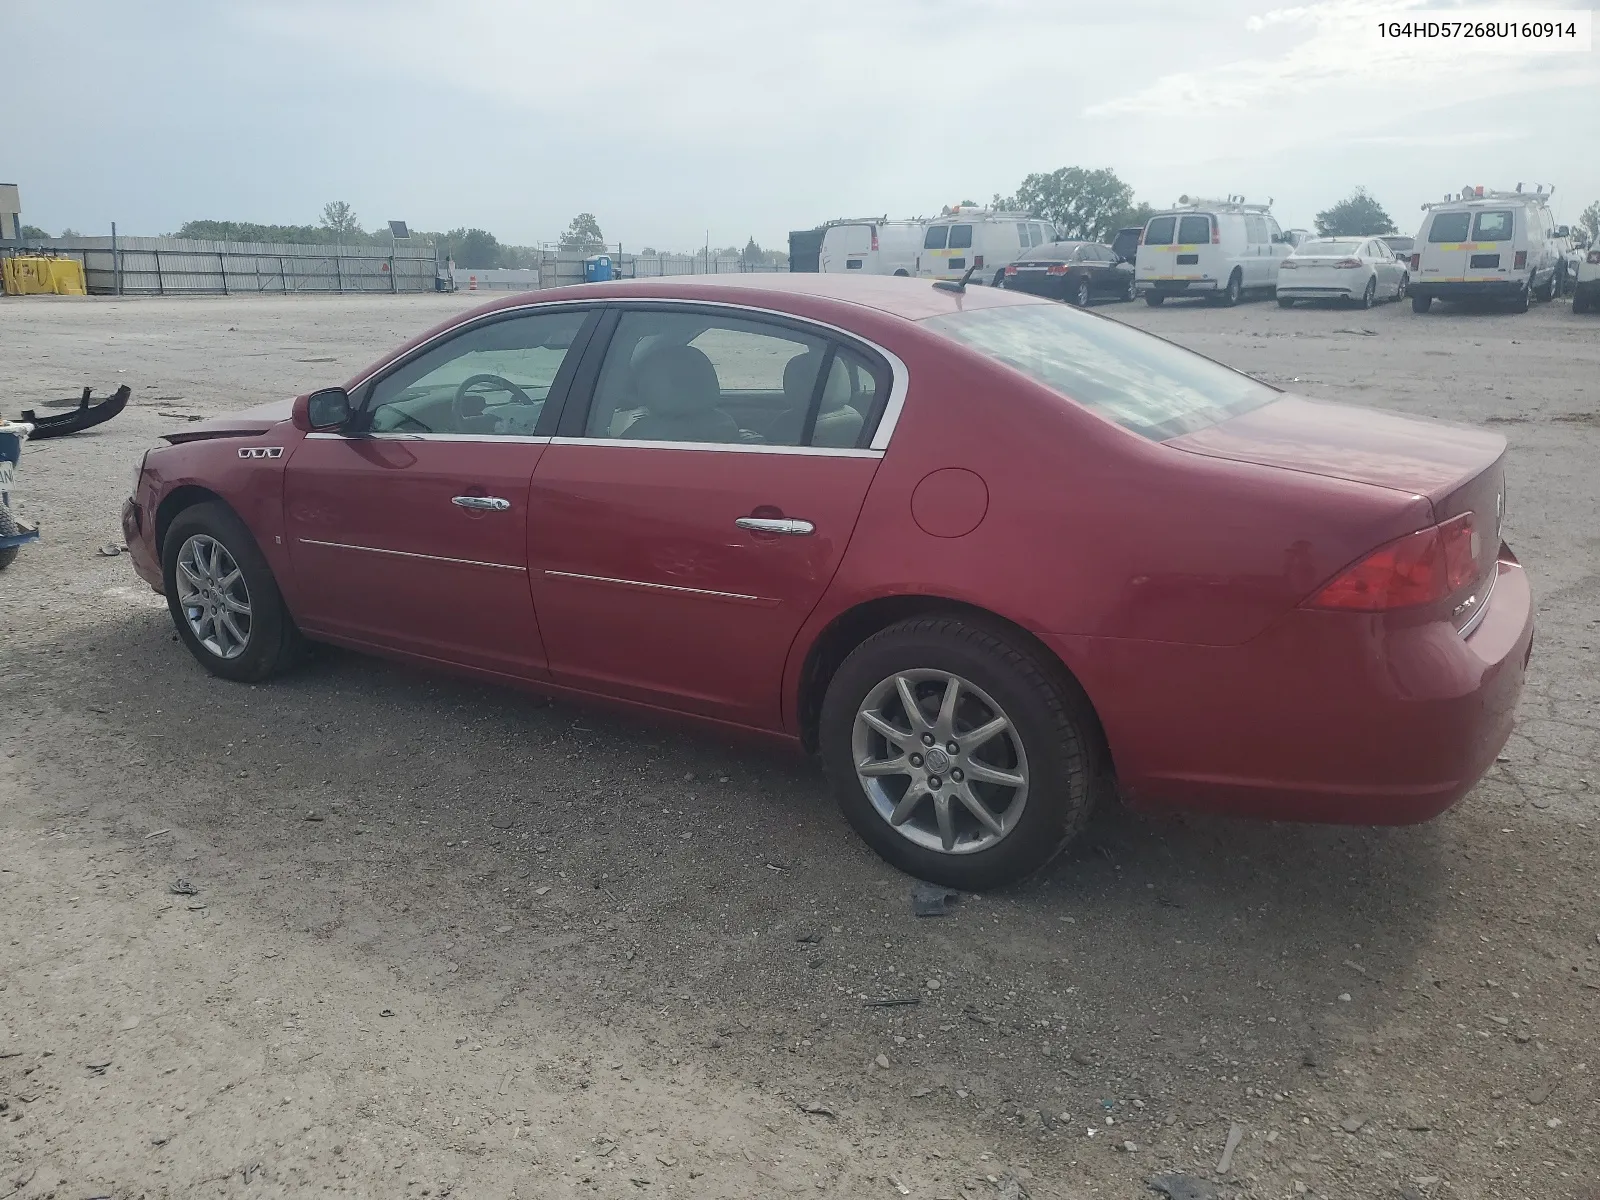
(447, 939)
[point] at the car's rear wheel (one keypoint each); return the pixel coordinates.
(999, 279)
(902, 273)
(956, 753)
(1371, 292)
(1285, 302)
(1154, 299)
(1580, 302)
(1232, 294)
(222, 596)
(1421, 304)
(1080, 297)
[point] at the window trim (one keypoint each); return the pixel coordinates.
(580, 395)
(554, 402)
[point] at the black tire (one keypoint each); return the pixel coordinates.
(999, 278)
(1080, 297)
(1520, 302)
(1285, 302)
(8, 528)
(1051, 719)
(1421, 304)
(1154, 299)
(1130, 292)
(1548, 291)
(273, 643)
(1370, 294)
(1405, 286)
(1580, 302)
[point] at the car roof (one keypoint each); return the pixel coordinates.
(819, 295)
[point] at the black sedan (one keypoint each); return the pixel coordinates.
(1077, 272)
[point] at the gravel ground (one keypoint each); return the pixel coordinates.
(449, 939)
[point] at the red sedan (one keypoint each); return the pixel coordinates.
(980, 551)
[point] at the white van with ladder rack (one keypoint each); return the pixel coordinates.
(1219, 249)
(1486, 246)
(984, 240)
(870, 246)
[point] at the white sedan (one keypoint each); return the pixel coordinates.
(1360, 269)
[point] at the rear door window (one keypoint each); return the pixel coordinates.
(1038, 234)
(1159, 231)
(960, 237)
(934, 239)
(1193, 230)
(1450, 227)
(1492, 226)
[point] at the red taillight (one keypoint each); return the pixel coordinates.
(1521, 260)
(1216, 232)
(1419, 568)
(1416, 262)
(1593, 256)
(1346, 263)
(1011, 270)
(874, 237)
(1056, 269)
(977, 260)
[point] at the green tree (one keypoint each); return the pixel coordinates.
(1083, 205)
(339, 219)
(1139, 214)
(583, 234)
(32, 233)
(1589, 218)
(1003, 203)
(475, 249)
(752, 254)
(68, 231)
(1357, 215)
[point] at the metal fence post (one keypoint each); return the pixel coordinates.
(116, 262)
(338, 269)
(161, 283)
(222, 262)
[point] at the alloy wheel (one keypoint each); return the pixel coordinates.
(940, 761)
(213, 596)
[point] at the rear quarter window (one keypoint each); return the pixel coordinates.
(1193, 230)
(1450, 227)
(1146, 385)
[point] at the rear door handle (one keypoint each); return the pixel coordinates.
(484, 503)
(784, 525)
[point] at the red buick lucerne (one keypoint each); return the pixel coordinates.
(980, 551)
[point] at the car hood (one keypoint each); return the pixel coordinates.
(1426, 458)
(247, 423)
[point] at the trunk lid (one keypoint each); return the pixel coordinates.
(1456, 468)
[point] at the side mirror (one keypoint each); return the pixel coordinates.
(327, 409)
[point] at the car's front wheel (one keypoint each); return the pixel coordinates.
(222, 596)
(956, 753)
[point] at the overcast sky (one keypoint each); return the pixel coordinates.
(754, 117)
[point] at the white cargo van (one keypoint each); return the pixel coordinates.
(1487, 246)
(874, 246)
(1218, 249)
(966, 237)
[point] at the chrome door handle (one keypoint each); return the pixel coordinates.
(785, 525)
(485, 503)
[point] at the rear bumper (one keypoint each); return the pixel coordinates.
(1325, 717)
(1313, 292)
(1174, 287)
(1483, 289)
(1036, 285)
(139, 536)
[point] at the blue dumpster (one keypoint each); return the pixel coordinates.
(597, 268)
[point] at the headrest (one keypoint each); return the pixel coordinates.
(678, 381)
(836, 392)
(800, 375)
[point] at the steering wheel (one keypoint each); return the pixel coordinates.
(458, 402)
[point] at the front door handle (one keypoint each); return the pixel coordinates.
(484, 503)
(784, 525)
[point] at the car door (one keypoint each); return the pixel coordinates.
(1104, 268)
(408, 529)
(692, 512)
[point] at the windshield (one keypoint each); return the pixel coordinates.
(1450, 227)
(1144, 384)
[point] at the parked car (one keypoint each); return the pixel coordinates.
(1400, 245)
(1125, 245)
(1219, 250)
(1293, 237)
(873, 247)
(1362, 270)
(1077, 272)
(983, 553)
(1486, 246)
(981, 239)
(1586, 282)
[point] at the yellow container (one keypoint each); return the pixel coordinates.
(41, 276)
